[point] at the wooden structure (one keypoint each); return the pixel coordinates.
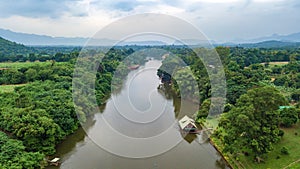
(188, 125)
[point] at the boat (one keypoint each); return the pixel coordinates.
(133, 67)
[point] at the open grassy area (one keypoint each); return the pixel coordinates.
(21, 64)
(278, 63)
(275, 158)
(9, 88)
(17, 65)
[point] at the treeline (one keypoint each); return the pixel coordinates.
(14, 52)
(52, 71)
(43, 56)
(247, 56)
(8, 48)
(14, 155)
(256, 89)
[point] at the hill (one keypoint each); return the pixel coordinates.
(40, 40)
(272, 44)
(294, 37)
(8, 48)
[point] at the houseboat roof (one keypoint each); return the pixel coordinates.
(185, 121)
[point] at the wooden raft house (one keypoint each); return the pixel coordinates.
(188, 125)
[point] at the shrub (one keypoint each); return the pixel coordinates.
(284, 151)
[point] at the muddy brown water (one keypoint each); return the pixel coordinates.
(148, 114)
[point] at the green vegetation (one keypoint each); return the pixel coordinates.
(252, 127)
(10, 49)
(18, 65)
(37, 109)
(9, 88)
(13, 154)
(277, 158)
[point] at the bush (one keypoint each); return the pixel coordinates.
(288, 116)
(281, 133)
(284, 151)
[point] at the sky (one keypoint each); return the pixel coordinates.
(222, 20)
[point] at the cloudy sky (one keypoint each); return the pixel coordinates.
(217, 19)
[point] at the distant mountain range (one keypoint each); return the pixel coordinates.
(294, 37)
(275, 40)
(44, 40)
(40, 40)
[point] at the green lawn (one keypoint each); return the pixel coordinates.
(275, 158)
(9, 88)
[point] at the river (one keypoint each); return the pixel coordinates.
(148, 114)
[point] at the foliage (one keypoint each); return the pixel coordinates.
(37, 106)
(288, 117)
(14, 156)
(284, 151)
(253, 123)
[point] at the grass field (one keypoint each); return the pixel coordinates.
(275, 158)
(9, 88)
(17, 65)
(278, 63)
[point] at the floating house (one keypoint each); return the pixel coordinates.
(187, 125)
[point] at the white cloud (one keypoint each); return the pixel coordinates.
(218, 19)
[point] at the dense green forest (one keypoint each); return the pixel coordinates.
(262, 101)
(40, 112)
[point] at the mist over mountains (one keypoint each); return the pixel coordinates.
(274, 40)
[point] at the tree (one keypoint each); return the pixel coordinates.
(13, 154)
(31, 75)
(253, 124)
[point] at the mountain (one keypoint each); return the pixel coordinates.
(263, 44)
(43, 40)
(294, 37)
(271, 44)
(11, 48)
(274, 40)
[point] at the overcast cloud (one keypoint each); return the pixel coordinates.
(218, 19)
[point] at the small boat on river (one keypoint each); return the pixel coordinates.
(133, 67)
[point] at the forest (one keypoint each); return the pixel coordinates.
(260, 123)
(262, 101)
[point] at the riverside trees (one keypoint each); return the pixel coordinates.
(252, 125)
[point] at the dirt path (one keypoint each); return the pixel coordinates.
(292, 164)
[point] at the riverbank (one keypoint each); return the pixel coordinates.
(227, 157)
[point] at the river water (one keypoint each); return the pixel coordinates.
(141, 113)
